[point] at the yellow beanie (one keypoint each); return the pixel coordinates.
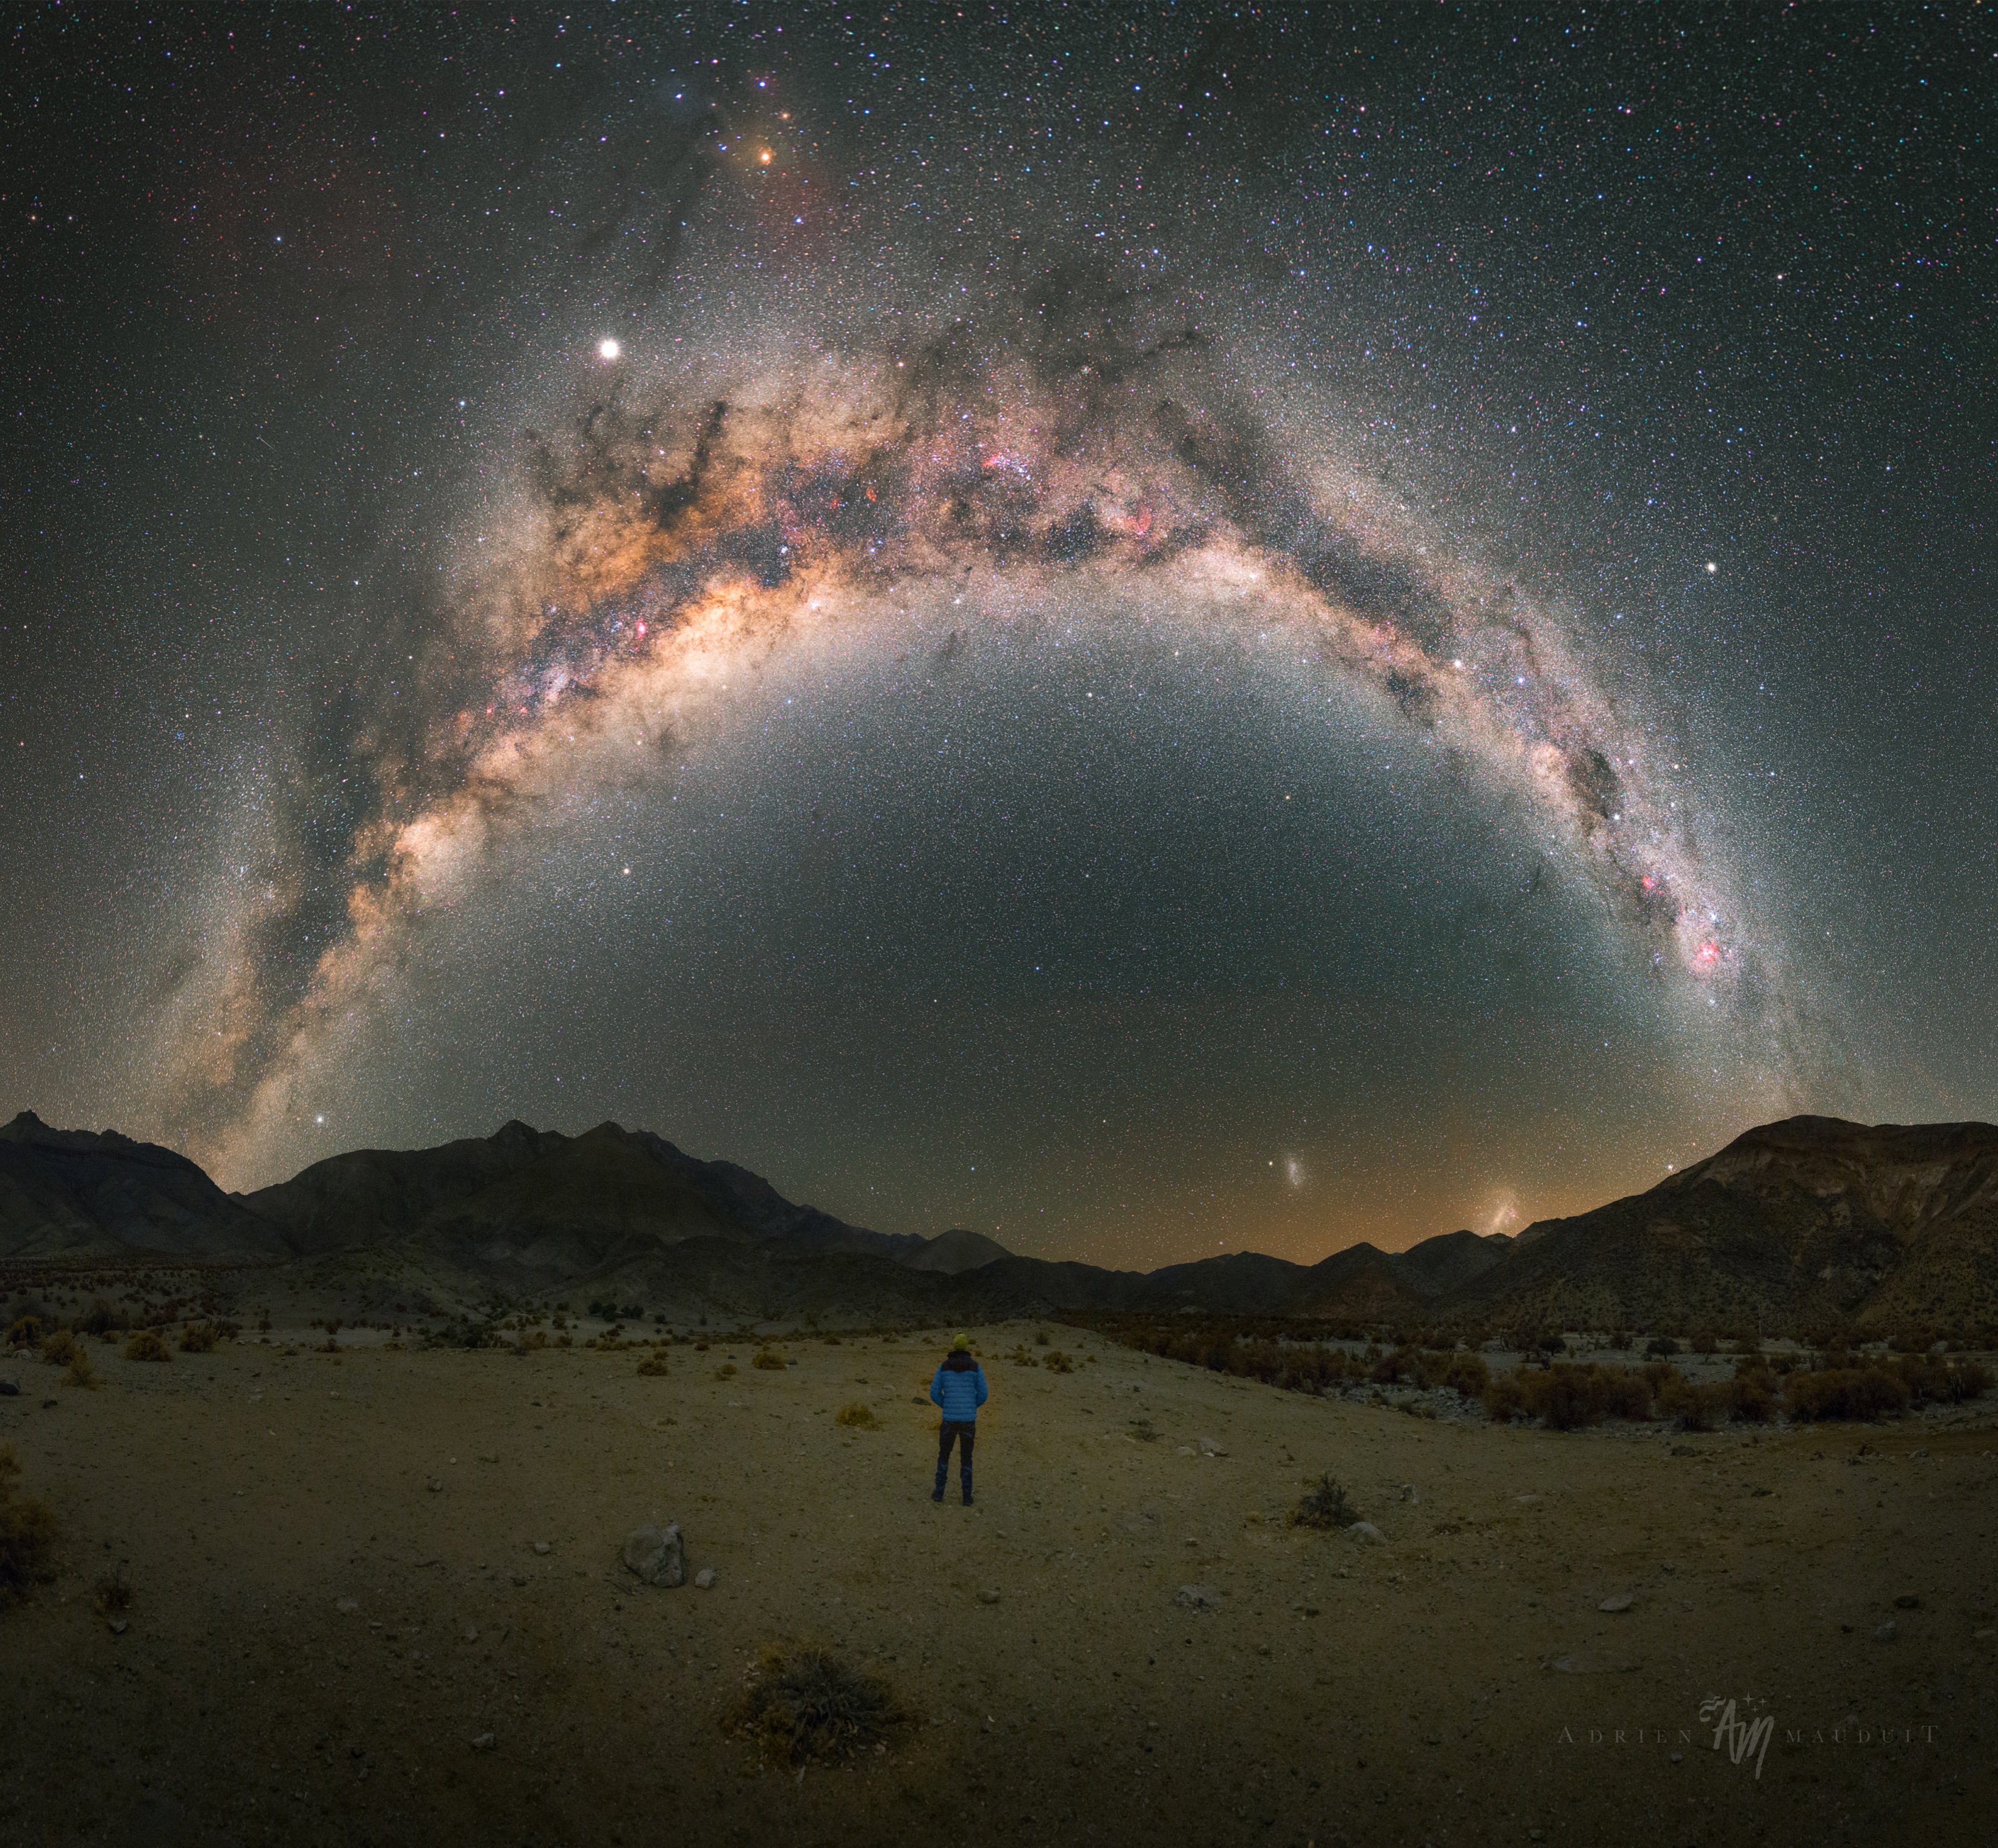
(960, 1343)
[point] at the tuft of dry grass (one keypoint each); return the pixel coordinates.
(726, 1370)
(197, 1337)
(1325, 1504)
(802, 1704)
(1056, 1362)
(145, 1344)
(26, 1332)
(769, 1360)
(654, 1366)
(857, 1417)
(58, 1345)
(80, 1372)
(27, 1533)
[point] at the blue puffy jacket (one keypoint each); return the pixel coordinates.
(960, 1389)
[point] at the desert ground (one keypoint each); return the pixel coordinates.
(376, 1596)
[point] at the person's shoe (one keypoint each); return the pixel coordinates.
(936, 1494)
(967, 1495)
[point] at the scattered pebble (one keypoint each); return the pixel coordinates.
(435, 1485)
(1197, 1597)
(347, 1605)
(471, 1632)
(1367, 1534)
(705, 1579)
(541, 1547)
(1887, 1632)
(1907, 1601)
(1621, 1602)
(988, 1597)
(484, 1743)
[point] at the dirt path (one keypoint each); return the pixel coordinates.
(317, 1635)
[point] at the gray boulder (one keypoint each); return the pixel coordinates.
(1197, 1597)
(1367, 1534)
(656, 1554)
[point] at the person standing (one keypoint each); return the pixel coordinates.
(957, 1390)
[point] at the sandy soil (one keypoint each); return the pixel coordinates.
(316, 1636)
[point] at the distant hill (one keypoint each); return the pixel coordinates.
(955, 1251)
(1809, 1221)
(67, 1194)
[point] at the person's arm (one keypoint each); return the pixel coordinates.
(984, 1391)
(936, 1387)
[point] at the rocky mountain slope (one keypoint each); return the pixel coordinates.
(1796, 1224)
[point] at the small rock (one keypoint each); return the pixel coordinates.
(1367, 1534)
(1197, 1597)
(1982, 1635)
(541, 1547)
(1209, 1448)
(1621, 1602)
(1407, 1491)
(988, 1597)
(347, 1605)
(705, 1579)
(484, 1743)
(1594, 1662)
(656, 1554)
(435, 1485)
(1683, 1450)
(489, 1456)
(9, 1389)
(520, 1578)
(1907, 1601)
(471, 1632)
(117, 1626)
(1887, 1632)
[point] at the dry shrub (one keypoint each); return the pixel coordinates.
(58, 1345)
(1691, 1406)
(654, 1366)
(1325, 1504)
(802, 1705)
(26, 1332)
(857, 1417)
(769, 1360)
(80, 1372)
(198, 1338)
(1750, 1397)
(145, 1344)
(1056, 1362)
(726, 1370)
(27, 1533)
(1040, 1337)
(1505, 1398)
(1567, 1395)
(1853, 1392)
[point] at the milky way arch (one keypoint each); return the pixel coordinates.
(667, 543)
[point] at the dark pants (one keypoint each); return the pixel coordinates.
(962, 1430)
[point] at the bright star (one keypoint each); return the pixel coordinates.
(610, 350)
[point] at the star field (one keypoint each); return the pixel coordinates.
(1163, 629)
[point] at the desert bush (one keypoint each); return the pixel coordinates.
(145, 1344)
(726, 1370)
(1750, 1397)
(58, 1345)
(1691, 1406)
(1466, 1375)
(1704, 1341)
(198, 1338)
(1040, 1337)
(80, 1372)
(654, 1366)
(1056, 1362)
(26, 1332)
(769, 1361)
(96, 1319)
(1661, 1347)
(27, 1533)
(802, 1705)
(1325, 1504)
(857, 1417)
(1845, 1392)
(1504, 1398)
(464, 1334)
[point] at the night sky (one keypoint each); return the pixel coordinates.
(1159, 630)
